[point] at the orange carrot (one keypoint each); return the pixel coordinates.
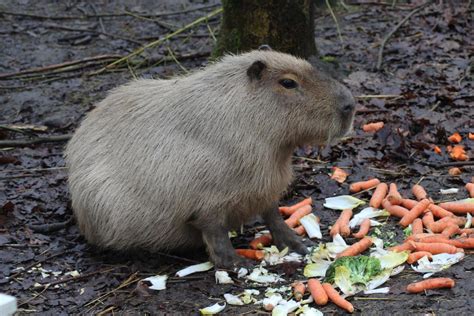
(364, 229)
(455, 138)
(343, 222)
(317, 292)
(363, 185)
(465, 243)
(294, 218)
(378, 195)
(403, 247)
(441, 224)
(450, 230)
(434, 248)
(372, 127)
(454, 171)
(409, 203)
(417, 226)
(458, 207)
(356, 248)
(419, 192)
(394, 197)
(437, 150)
(428, 220)
(394, 210)
(300, 230)
(288, 210)
(429, 284)
(415, 256)
(419, 237)
(471, 136)
(262, 241)
(251, 253)
(467, 231)
(439, 211)
(338, 174)
(334, 229)
(298, 290)
(337, 299)
(415, 212)
(470, 188)
(458, 153)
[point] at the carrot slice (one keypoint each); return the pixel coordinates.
(363, 229)
(363, 185)
(455, 138)
(251, 253)
(338, 174)
(337, 299)
(356, 248)
(454, 171)
(372, 127)
(262, 241)
(458, 153)
(317, 292)
(429, 284)
(378, 195)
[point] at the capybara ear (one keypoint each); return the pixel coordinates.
(255, 70)
(264, 47)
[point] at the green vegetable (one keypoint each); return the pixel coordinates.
(362, 268)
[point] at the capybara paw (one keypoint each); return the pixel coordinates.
(231, 262)
(293, 242)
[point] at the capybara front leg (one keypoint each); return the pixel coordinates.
(282, 235)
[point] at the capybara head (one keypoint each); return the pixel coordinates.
(315, 107)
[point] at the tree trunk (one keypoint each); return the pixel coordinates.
(284, 25)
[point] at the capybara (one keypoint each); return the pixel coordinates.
(174, 164)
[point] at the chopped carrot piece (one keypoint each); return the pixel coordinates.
(373, 127)
(298, 290)
(251, 253)
(415, 256)
(262, 241)
(455, 138)
(338, 174)
(458, 153)
(454, 171)
(470, 188)
(437, 150)
(429, 284)
(300, 230)
(471, 136)
(363, 185)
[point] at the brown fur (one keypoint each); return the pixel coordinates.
(163, 164)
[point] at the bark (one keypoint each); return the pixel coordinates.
(285, 25)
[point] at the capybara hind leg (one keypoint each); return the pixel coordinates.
(282, 235)
(220, 249)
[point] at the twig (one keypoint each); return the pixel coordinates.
(33, 141)
(130, 280)
(56, 66)
(335, 20)
(176, 60)
(49, 228)
(387, 37)
(379, 96)
(158, 42)
(34, 264)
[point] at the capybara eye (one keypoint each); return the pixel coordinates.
(288, 83)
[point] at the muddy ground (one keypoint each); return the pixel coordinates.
(426, 66)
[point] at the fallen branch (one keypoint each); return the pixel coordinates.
(49, 228)
(159, 41)
(57, 66)
(33, 141)
(395, 29)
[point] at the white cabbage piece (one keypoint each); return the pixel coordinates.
(368, 212)
(342, 202)
(213, 309)
(438, 263)
(316, 269)
(310, 223)
(270, 302)
(261, 275)
(449, 191)
(337, 245)
(222, 277)
(285, 307)
(201, 267)
(158, 282)
(233, 299)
